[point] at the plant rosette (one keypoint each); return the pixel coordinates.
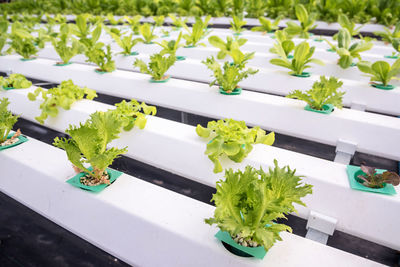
(62, 64)
(303, 75)
(236, 91)
(239, 250)
(21, 139)
(355, 183)
(381, 86)
(180, 58)
(326, 109)
(164, 79)
(76, 180)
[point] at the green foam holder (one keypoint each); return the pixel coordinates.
(8, 88)
(237, 34)
(180, 58)
(383, 87)
(327, 109)
(393, 57)
(21, 139)
(76, 180)
(353, 64)
(134, 53)
(148, 43)
(163, 80)
(27, 59)
(330, 50)
(235, 248)
(303, 75)
(189, 46)
(101, 72)
(62, 64)
(318, 40)
(165, 36)
(354, 171)
(236, 91)
(290, 56)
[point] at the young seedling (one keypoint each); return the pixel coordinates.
(3, 34)
(134, 23)
(229, 76)
(226, 48)
(22, 42)
(15, 81)
(380, 71)
(283, 45)
(126, 43)
(103, 59)
(7, 121)
(267, 25)
(170, 47)
(236, 25)
(88, 145)
(306, 23)
(301, 58)
(324, 92)
(348, 24)
(82, 27)
(347, 51)
(233, 139)
(66, 46)
(249, 203)
(158, 20)
(146, 30)
(177, 22)
(112, 20)
(62, 96)
(41, 39)
(157, 67)
(198, 32)
(387, 35)
(258, 8)
(132, 114)
(373, 180)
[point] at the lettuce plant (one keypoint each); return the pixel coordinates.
(267, 25)
(66, 46)
(62, 96)
(373, 180)
(380, 71)
(198, 32)
(348, 24)
(177, 22)
(15, 80)
(41, 39)
(157, 67)
(125, 42)
(347, 51)
(7, 120)
(283, 45)
(90, 41)
(112, 20)
(249, 203)
(301, 58)
(323, 92)
(387, 35)
(3, 34)
(22, 42)
(306, 23)
(233, 139)
(146, 30)
(225, 48)
(103, 59)
(229, 75)
(236, 24)
(134, 23)
(82, 27)
(170, 47)
(132, 114)
(88, 144)
(158, 20)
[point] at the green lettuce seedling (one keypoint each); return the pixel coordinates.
(16, 81)
(103, 59)
(306, 23)
(158, 20)
(323, 92)
(177, 22)
(348, 24)
(237, 24)
(22, 42)
(133, 113)
(226, 48)
(267, 25)
(347, 51)
(62, 96)
(233, 139)
(82, 27)
(373, 180)
(3, 34)
(7, 120)
(301, 58)
(249, 203)
(283, 45)
(88, 144)
(157, 67)
(112, 20)
(229, 76)
(387, 35)
(170, 47)
(258, 8)
(380, 71)
(66, 46)
(125, 42)
(42, 38)
(134, 23)
(198, 32)
(146, 30)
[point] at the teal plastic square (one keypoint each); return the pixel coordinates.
(8, 88)
(257, 252)
(303, 75)
(76, 180)
(189, 46)
(27, 59)
(383, 87)
(328, 108)
(21, 139)
(331, 50)
(236, 91)
(393, 57)
(180, 58)
(354, 171)
(163, 79)
(62, 64)
(101, 72)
